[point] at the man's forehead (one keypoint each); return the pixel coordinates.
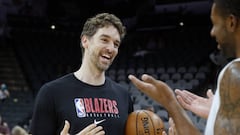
(108, 32)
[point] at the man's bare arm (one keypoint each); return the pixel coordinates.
(164, 95)
(228, 117)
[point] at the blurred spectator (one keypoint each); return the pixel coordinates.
(4, 129)
(18, 130)
(4, 93)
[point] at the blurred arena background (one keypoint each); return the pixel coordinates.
(169, 39)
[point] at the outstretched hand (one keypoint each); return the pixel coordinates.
(164, 95)
(198, 105)
(155, 89)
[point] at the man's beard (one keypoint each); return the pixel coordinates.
(103, 67)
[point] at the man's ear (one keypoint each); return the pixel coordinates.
(232, 23)
(84, 41)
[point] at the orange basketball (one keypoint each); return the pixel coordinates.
(144, 122)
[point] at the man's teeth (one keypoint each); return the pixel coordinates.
(106, 56)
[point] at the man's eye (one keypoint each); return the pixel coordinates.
(116, 45)
(105, 40)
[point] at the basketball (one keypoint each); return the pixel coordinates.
(144, 122)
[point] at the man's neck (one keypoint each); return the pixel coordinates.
(88, 76)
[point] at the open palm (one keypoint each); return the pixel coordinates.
(198, 105)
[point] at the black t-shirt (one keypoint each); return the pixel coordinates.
(68, 98)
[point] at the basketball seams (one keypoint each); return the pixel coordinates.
(143, 120)
(147, 113)
(137, 122)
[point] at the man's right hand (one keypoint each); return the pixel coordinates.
(92, 129)
(196, 104)
(172, 129)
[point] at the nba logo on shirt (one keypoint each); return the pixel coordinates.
(80, 109)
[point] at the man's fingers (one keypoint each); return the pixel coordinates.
(141, 85)
(209, 93)
(164, 133)
(185, 93)
(172, 128)
(154, 83)
(92, 129)
(65, 128)
(153, 88)
(171, 122)
(88, 128)
(189, 94)
(148, 79)
(171, 131)
(183, 97)
(98, 131)
(182, 102)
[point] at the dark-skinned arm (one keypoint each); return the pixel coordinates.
(228, 117)
(164, 95)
